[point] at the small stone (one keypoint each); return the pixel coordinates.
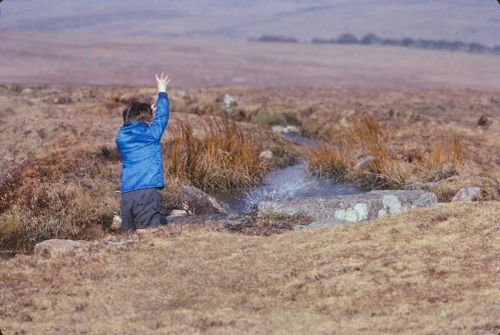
(292, 129)
(229, 103)
(178, 213)
(55, 248)
(278, 129)
(467, 193)
(483, 120)
(266, 154)
(27, 90)
(62, 100)
(117, 223)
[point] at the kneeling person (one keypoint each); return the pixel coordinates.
(142, 161)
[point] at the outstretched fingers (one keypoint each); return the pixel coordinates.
(163, 80)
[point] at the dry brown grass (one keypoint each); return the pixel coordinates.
(447, 188)
(64, 195)
(427, 271)
(224, 158)
(385, 168)
(326, 160)
(424, 272)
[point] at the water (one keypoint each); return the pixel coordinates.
(291, 182)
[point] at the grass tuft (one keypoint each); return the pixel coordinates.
(326, 160)
(223, 159)
(383, 167)
(64, 195)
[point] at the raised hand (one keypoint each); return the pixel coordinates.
(163, 81)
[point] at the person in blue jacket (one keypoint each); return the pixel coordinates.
(142, 160)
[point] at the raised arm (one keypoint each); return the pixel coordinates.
(160, 121)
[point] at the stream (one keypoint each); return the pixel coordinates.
(290, 182)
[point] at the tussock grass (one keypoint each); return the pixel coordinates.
(224, 158)
(369, 140)
(326, 160)
(64, 195)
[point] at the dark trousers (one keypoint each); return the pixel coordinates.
(141, 209)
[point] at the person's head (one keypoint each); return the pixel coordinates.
(138, 111)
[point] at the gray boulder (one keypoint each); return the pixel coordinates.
(350, 208)
(467, 193)
(197, 202)
(55, 248)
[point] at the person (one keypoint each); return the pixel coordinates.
(138, 142)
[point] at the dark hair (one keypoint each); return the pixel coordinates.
(139, 111)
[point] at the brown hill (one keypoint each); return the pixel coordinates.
(86, 58)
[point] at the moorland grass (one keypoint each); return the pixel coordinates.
(426, 271)
(384, 167)
(72, 194)
(224, 158)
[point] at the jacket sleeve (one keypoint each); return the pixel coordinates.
(160, 120)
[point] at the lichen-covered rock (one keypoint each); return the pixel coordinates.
(467, 193)
(350, 208)
(54, 248)
(197, 202)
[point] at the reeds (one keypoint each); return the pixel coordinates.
(363, 154)
(222, 159)
(326, 160)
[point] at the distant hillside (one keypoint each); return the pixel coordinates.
(465, 20)
(103, 59)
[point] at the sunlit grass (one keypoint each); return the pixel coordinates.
(222, 159)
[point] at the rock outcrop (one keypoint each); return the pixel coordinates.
(197, 202)
(348, 209)
(54, 248)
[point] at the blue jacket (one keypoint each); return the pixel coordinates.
(140, 149)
